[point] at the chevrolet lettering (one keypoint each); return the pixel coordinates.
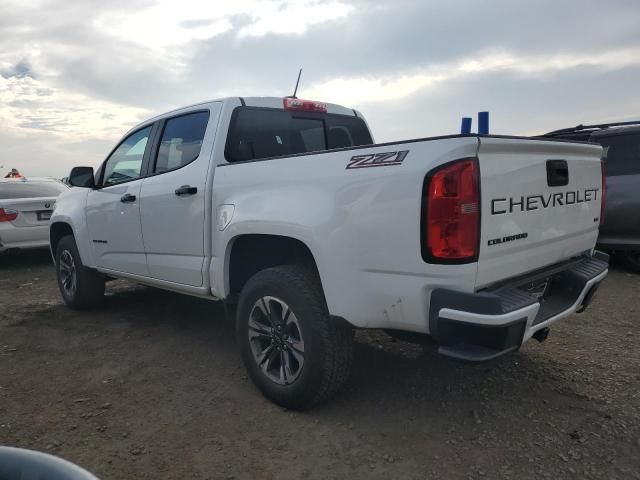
(500, 206)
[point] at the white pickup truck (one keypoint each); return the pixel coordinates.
(287, 210)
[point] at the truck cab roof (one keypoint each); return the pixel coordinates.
(263, 102)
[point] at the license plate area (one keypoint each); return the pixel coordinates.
(539, 288)
(555, 289)
(43, 215)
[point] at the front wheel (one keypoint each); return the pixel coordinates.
(296, 354)
(80, 287)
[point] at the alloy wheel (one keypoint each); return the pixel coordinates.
(276, 340)
(67, 269)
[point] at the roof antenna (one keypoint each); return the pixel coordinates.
(297, 83)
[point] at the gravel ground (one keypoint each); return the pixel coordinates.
(151, 386)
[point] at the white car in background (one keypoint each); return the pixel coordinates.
(26, 205)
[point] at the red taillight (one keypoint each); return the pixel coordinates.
(297, 105)
(452, 223)
(7, 215)
(603, 195)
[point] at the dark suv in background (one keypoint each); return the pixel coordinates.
(620, 232)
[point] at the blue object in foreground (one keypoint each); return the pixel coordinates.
(19, 464)
(465, 127)
(483, 123)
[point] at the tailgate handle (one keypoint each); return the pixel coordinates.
(557, 173)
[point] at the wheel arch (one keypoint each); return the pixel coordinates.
(57, 231)
(247, 254)
(62, 225)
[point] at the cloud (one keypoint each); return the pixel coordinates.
(293, 17)
(358, 90)
(168, 23)
(518, 104)
(19, 70)
(82, 72)
(40, 153)
(29, 104)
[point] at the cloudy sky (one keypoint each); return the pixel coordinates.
(75, 75)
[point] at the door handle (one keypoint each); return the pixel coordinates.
(128, 198)
(186, 190)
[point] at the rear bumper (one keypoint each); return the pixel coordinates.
(485, 325)
(23, 237)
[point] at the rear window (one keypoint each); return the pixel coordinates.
(621, 154)
(262, 132)
(11, 190)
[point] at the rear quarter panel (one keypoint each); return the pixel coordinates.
(361, 225)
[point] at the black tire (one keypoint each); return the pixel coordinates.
(631, 261)
(327, 344)
(86, 289)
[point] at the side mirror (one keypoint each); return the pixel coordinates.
(82, 177)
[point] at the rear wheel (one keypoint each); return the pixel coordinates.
(294, 351)
(80, 287)
(631, 261)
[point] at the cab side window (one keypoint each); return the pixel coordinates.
(125, 163)
(181, 141)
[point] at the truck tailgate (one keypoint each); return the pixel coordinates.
(541, 204)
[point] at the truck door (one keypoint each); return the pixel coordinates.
(113, 208)
(174, 210)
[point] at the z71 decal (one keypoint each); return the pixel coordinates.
(377, 159)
